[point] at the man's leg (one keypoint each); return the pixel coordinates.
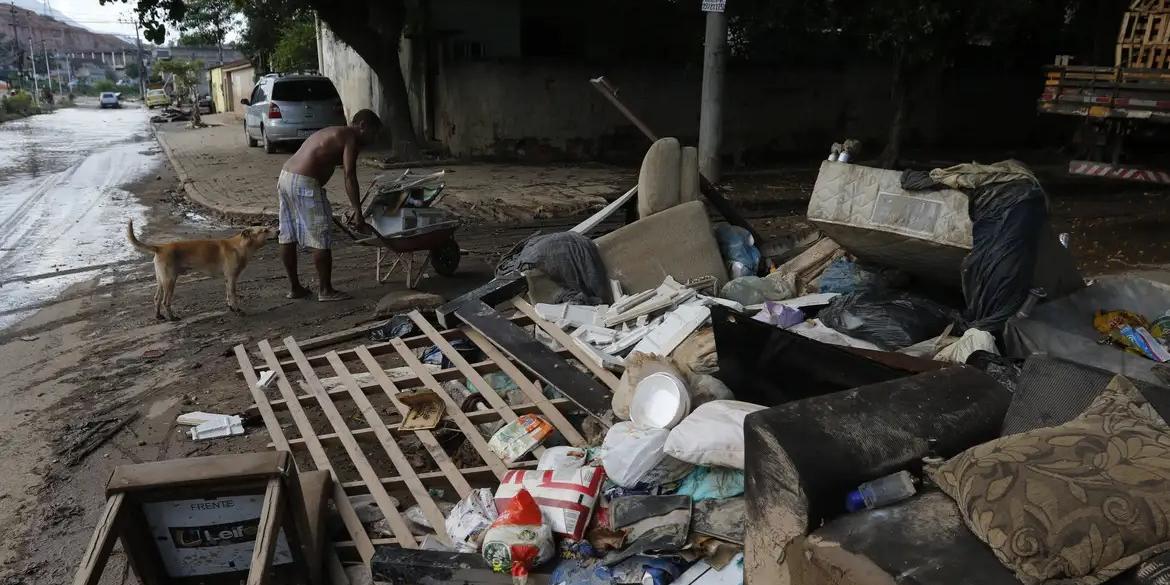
(288, 255)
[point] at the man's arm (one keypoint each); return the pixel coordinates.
(349, 165)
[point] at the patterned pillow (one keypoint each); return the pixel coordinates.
(1080, 502)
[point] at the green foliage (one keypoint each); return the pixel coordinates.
(132, 71)
(20, 104)
(297, 48)
(198, 38)
(208, 21)
(104, 85)
(186, 73)
(110, 74)
(266, 22)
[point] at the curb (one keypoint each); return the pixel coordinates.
(196, 196)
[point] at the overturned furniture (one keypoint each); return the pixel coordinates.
(354, 394)
(925, 233)
(212, 520)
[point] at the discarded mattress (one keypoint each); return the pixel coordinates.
(867, 212)
(1063, 328)
(926, 233)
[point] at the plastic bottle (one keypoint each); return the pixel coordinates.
(881, 492)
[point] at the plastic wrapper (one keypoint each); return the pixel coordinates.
(634, 455)
(753, 290)
(562, 458)
(470, 518)
(890, 320)
(519, 539)
(519, 437)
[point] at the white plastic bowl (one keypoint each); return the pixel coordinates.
(660, 401)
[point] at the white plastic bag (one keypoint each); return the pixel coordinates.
(470, 519)
(631, 451)
(562, 458)
(712, 435)
(972, 341)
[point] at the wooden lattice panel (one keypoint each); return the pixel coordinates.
(352, 429)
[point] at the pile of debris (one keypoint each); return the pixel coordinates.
(666, 381)
(171, 114)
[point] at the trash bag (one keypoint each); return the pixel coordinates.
(571, 260)
(890, 320)
(519, 539)
(738, 250)
(753, 290)
(1006, 225)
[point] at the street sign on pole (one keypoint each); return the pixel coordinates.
(714, 5)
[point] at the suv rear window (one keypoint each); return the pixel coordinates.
(304, 90)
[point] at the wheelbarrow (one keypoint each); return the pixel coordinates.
(403, 223)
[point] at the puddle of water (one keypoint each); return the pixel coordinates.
(63, 202)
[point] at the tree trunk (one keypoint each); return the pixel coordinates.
(900, 97)
(373, 29)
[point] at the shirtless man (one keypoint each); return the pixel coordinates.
(305, 214)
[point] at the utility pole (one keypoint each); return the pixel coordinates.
(16, 41)
(141, 65)
(32, 57)
(711, 106)
(48, 69)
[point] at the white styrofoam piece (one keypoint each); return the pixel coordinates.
(630, 301)
(615, 288)
(266, 378)
(596, 335)
(600, 358)
(702, 573)
(810, 300)
(628, 340)
(220, 425)
(194, 419)
(572, 315)
(730, 304)
(674, 329)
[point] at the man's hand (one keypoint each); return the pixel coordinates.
(358, 223)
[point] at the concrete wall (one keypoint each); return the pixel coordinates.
(356, 82)
(242, 82)
(548, 111)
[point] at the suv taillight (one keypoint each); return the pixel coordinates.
(273, 111)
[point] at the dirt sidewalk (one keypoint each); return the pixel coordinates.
(220, 172)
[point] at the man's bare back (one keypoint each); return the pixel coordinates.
(321, 153)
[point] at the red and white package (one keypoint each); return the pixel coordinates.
(566, 496)
(519, 539)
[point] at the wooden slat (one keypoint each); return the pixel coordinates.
(267, 533)
(453, 409)
(390, 446)
(485, 389)
(436, 476)
(528, 387)
(105, 535)
(261, 400)
(562, 338)
(426, 437)
(320, 459)
(387, 505)
(348, 356)
(444, 375)
(478, 417)
(331, 338)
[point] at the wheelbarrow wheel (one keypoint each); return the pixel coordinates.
(445, 258)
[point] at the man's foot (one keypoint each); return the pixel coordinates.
(299, 292)
(332, 295)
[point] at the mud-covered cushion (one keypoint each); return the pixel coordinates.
(1076, 503)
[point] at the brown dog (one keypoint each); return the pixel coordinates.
(228, 256)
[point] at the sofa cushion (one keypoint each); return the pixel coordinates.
(1082, 501)
(922, 537)
(676, 242)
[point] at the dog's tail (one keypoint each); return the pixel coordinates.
(136, 243)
